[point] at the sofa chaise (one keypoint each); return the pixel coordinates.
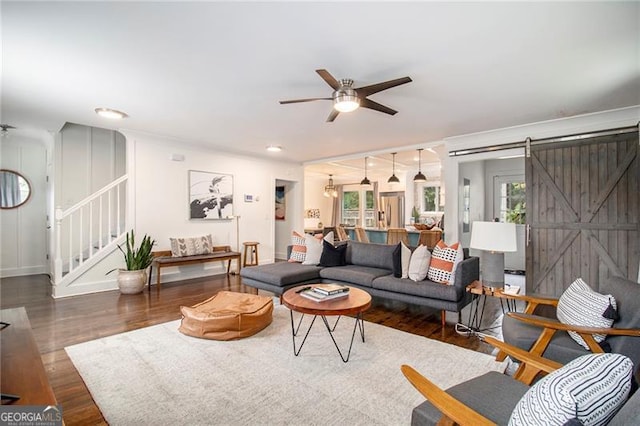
(370, 267)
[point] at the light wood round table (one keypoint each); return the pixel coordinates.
(355, 303)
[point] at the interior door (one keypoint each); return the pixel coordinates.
(582, 211)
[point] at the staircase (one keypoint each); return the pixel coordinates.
(89, 231)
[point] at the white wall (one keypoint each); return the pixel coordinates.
(161, 195)
(23, 249)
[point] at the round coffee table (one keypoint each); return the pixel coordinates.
(355, 303)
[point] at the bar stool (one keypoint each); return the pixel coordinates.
(250, 251)
(430, 238)
(361, 235)
(395, 235)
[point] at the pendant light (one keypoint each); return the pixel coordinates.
(394, 178)
(420, 177)
(330, 190)
(366, 180)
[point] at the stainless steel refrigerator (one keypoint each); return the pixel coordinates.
(391, 214)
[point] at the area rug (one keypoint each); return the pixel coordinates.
(156, 375)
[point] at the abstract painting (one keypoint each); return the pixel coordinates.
(210, 195)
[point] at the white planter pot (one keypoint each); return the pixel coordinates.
(132, 282)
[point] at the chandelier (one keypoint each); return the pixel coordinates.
(330, 189)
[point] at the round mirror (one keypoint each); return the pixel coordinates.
(14, 189)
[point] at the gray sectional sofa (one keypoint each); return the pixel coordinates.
(369, 267)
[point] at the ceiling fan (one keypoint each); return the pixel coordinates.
(346, 98)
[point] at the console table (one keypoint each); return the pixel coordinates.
(23, 374)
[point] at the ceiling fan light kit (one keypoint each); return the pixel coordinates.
(4, 133)
(420, 177)
(394, 178)
(346, 98)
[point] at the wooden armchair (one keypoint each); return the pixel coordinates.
(541, 334)
(468, 403)
(491, 399)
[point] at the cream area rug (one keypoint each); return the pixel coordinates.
(156, 375)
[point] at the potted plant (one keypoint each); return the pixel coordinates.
(415, 214)
(133, 279)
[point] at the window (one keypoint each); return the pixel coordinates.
(358, 208)
(432, 199)
(511, 201)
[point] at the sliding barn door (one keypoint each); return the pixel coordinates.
(582, 212)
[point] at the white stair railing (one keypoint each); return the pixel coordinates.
(86, 228)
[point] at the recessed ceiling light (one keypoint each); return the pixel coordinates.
(112, 114)
(274, 148)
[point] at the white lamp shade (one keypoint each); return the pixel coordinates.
(493, 236)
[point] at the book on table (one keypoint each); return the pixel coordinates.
(329, 289)
(319, 297)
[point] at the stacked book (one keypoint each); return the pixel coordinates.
(323, 292)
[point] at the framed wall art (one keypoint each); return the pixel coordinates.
(210, 195)
(281, 203)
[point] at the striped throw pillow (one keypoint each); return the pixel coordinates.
(592, 386)
(579, 305)
(444, 260)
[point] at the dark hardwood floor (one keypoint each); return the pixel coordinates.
(58, 323)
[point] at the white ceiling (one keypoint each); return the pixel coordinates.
(212, 73)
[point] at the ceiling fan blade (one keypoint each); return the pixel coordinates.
(296, 101)
(331, 81)
(375, 88)
(368, 103)
(333, 115)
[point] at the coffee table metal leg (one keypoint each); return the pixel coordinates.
(294, 333)
(358, 323)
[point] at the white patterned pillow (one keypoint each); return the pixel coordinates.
(579, 305)
(191, 246)
(444, 261)
(298, 248)
(594, 386)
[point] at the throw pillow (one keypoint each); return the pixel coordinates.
(594, 386)
(333, 256)
(314, 249)
(397, 261)
(579, 305)
(405, 259)
(444, 261)
(191, 246)
(298, 248)
(419, 263)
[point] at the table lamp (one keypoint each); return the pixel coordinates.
(494, 238)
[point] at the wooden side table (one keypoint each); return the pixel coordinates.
(479, 294)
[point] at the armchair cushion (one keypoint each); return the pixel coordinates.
(473, 393)
(594, 385)
(580, 305)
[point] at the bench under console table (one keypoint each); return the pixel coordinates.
(163, 259)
